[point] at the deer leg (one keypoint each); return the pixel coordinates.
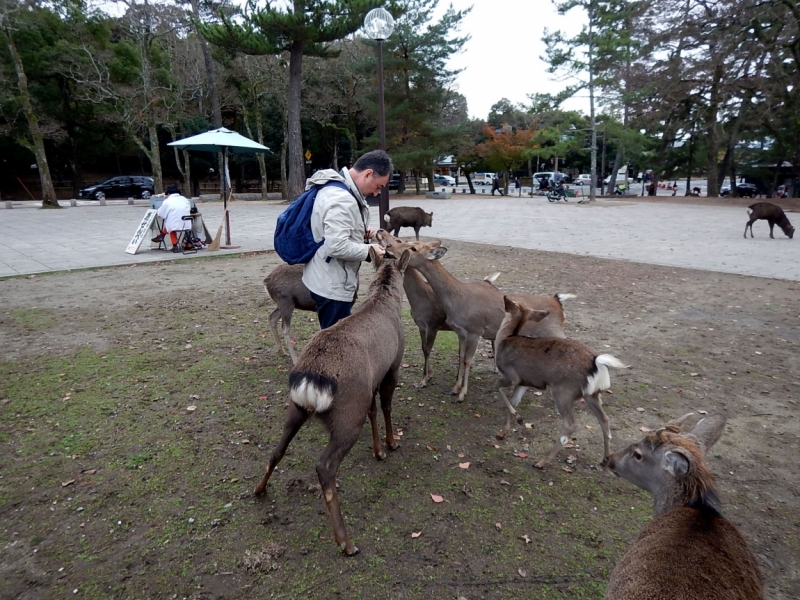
(469, 354)
(327, 465)
(273, 323)
(462, 345)
(519, 391)
(750, 225)
(416, 232)
(396, 231)
(565, 403)
(387, 387)
(494, 357)
(595, 404)
(771, 227)
(287, 323)
(428, 338)
(372, 413)
(295, 417)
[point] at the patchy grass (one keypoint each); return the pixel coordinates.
(129, 458)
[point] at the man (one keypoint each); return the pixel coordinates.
(172, 211)
(341, 217)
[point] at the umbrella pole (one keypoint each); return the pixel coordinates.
(227, 216)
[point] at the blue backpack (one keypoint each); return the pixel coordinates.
(294, 241)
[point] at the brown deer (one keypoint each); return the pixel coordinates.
(568, 368)
(285, 286)
(336, 378)
(475, 310)
(689, 551)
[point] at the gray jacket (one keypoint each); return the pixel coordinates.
(340, 218)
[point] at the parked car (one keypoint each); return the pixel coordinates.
(483, 178)
(583, 179)
(394, 181)
(444, 180)
(622, 178)
(122, 186)
(744, 190)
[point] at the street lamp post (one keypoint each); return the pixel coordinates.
(379, 25)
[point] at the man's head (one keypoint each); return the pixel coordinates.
(372, 172)
(172, 189)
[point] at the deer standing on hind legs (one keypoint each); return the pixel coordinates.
(336, 378)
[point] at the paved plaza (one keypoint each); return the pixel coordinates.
(681, 235)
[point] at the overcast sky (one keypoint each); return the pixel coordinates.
(502, 60)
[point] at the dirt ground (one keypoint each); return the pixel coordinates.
(139, 405)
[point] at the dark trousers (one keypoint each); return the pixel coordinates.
(330, 312)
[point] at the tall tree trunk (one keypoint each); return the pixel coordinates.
(284, 178)
(712, 138)
(295, 135)
(48, 191)
(262, 165)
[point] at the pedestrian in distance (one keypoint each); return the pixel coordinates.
(340, 218)
(496, 185)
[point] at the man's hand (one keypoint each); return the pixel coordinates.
(369, 235)
(379, 250)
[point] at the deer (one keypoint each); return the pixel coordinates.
(336, 378)
(567, 367)
(689, 551)
(285, 286)
(475, 310)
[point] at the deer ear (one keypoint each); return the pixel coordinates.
(537, 315)
(435, 243)
(675, 463)
(373, 256)
(403, 262)
(709, 430)
(510, 305)
(437, 253)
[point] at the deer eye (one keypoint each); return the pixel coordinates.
(637, 456)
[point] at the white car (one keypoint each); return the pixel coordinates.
(583, 179)
(444, 180)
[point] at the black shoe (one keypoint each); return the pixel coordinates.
(159, 238)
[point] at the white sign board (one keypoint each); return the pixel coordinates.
(142, 231)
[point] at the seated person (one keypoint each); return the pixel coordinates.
(172, 210)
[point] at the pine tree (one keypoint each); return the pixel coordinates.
(304, 29)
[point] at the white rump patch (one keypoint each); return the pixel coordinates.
(308, 396)
(749, 211)
(386, 217)
(601, 380)
(562, 297)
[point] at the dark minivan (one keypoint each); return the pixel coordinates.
(122, 186)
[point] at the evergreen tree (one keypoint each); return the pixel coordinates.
(303, 29)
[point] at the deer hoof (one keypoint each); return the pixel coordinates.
(541, 464)
(352, 550)
(259, 491)
(381, 455)
(519, 418)
(501, 435)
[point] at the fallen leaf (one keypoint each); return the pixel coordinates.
(437, 498)
(191, 408)
(431, 448)
(496, 445)
(262, 397)
(520, 455)
(640, 409)
(187, 346)
(522, 573)
(478, 415)
(567, 470)
(526, 538)
(234, 480)
(405, 365)
(415, 534)
(498, 526)
(645, 429)
(245, 441)
(757, 352)
(504, 482)
(528, 425)
(694, 374)
(464, 465)
(703, 412)
(89, 471)
(460, 455)
(537, 393)
(589, 426)
(66, 483)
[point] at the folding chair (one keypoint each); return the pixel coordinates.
(186, 236)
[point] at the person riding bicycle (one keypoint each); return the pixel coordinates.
(558, 188)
